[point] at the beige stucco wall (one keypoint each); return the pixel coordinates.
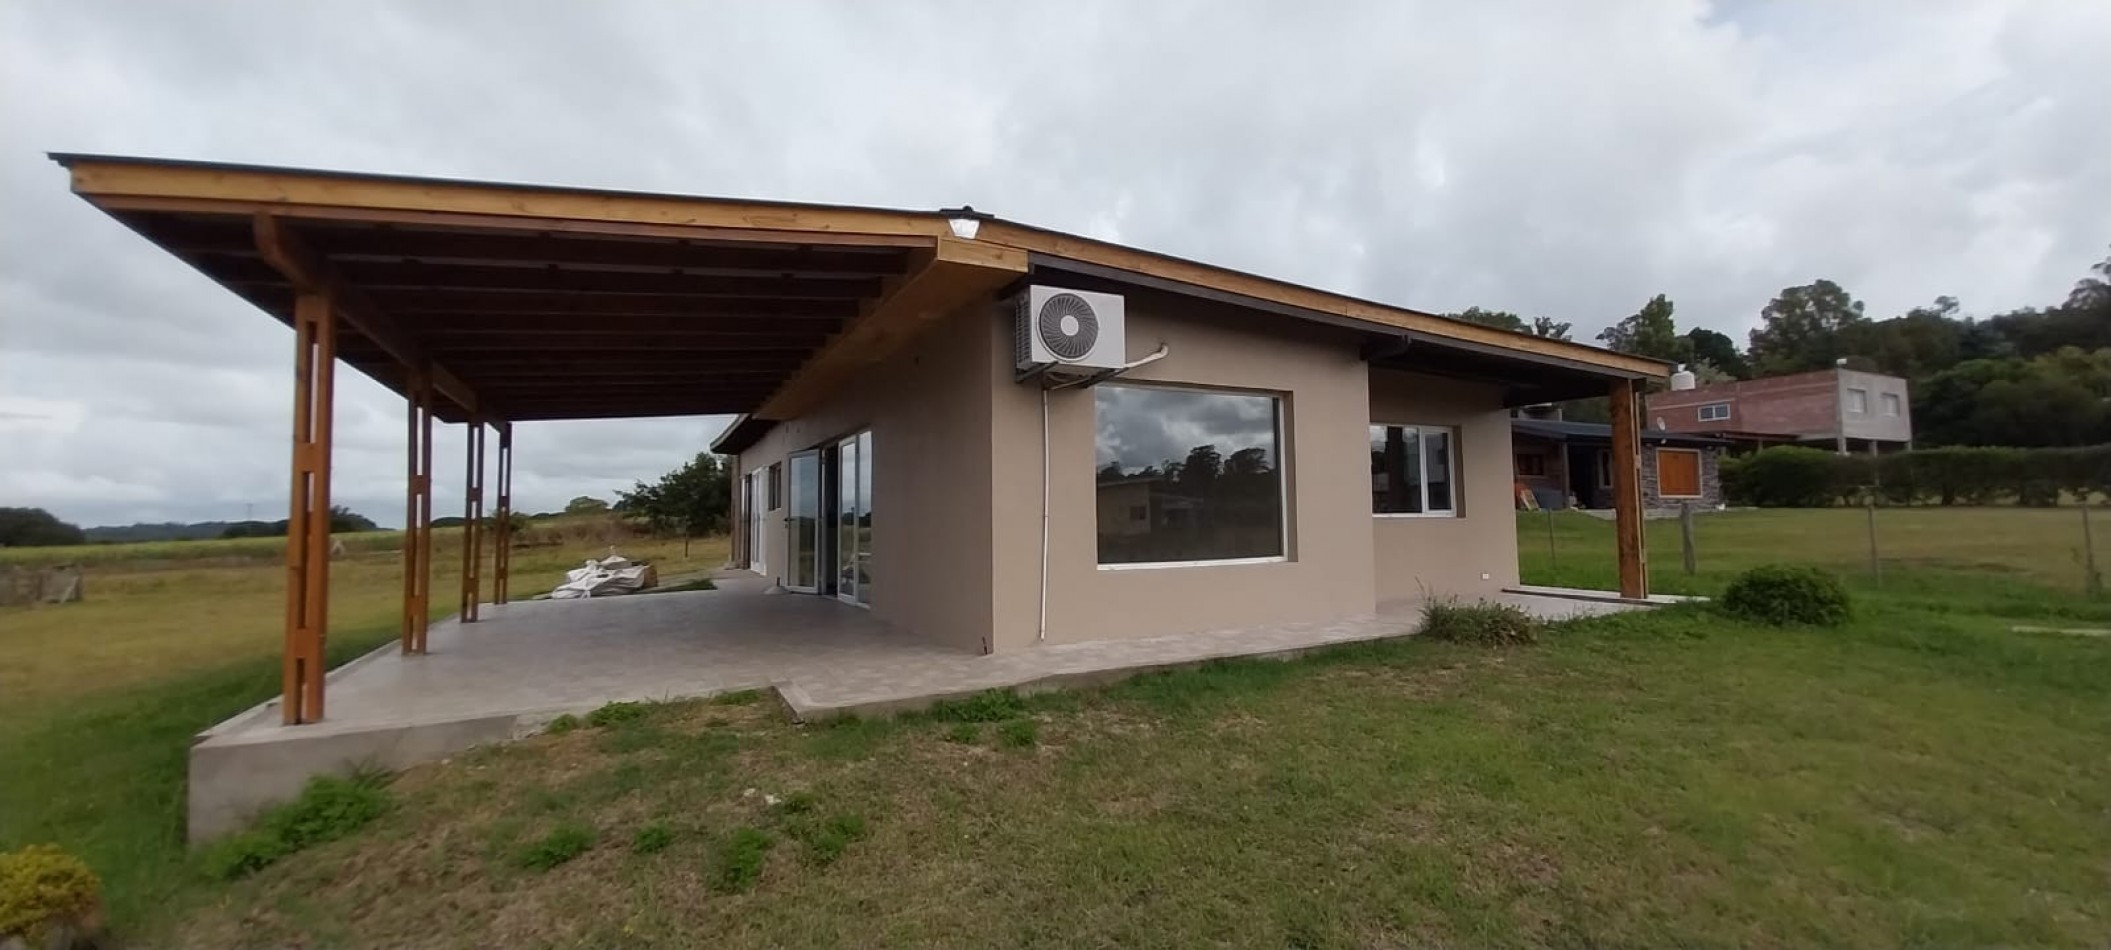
(929, 411)
(1327, 574)
(958, 481)
(1449, 555)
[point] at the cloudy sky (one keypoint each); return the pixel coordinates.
(1559, 158)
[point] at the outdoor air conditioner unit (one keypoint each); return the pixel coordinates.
(1064, 329)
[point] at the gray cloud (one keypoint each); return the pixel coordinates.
(1546, 158)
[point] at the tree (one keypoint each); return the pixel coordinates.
(1923, 341)
(689, 501)
(1649, 332)
(1801, 328)
(34, 528)
(1718, 350)
(1499, 319)
(1549, 328)
(585, 505)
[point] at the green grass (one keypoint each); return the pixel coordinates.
(99, 700)
(561, 844)
(1918, 776)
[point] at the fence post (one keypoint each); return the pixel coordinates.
(1553, 560)
(1876, 562)
(2092, 581)
(1686, 551)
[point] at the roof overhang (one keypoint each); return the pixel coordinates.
(529, 302)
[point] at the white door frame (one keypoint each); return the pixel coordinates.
(791, 521)
(758, 546)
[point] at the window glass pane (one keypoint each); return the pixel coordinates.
(1396, 469)
(1436, 451)
(1186, 475)
(865, 517)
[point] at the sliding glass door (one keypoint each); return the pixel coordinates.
(854, 518)
(803, 523)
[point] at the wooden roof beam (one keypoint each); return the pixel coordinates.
(292, 258)
(954, 274)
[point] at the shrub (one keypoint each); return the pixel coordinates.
(739, 863)
(562, 724)
(1484, 622)
(616, 714)
(993, 705)
(652, 838)
(1784, 476)
(44, 889)
(1019, 733)
(329, 808)
(1783, 594)
(563, 843)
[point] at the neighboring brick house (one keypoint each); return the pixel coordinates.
(1569, 464)
(1840, 409)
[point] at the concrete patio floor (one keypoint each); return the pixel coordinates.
(527, 662)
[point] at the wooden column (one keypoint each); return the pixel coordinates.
(472, 515)
(1627, 488)
(502, 523)
(308, 513)
(417, 515)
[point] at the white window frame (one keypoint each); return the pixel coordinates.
(1852, 408)
(1699, 473)
(1705, 416)
(1282, 480)
(1894, 404)
(1451, 434)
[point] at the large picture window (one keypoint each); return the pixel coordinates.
(1411, 471)
(1187, 475)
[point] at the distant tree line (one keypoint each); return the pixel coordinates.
(2038, 376)
(36, 528)
(342, 521)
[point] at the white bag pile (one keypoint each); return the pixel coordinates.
(612, 575)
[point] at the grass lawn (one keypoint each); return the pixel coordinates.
(1924, 775)
(1663, 779)
(99, 700)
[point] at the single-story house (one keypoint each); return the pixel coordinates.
(990, 434)
(1570, 465)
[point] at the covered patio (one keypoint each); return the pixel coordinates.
(490, 305)
(525, 663)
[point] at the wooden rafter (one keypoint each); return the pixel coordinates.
(956, 273)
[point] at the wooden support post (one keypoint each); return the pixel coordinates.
(417, 515)
(502, 523)
(1627, 489)
(472, 515)
(308, 514)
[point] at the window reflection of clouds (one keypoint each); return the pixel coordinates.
(1142, 427)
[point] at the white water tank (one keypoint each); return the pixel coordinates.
(1683, 378)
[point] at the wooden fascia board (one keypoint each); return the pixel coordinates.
(1115, 256)
(113, 181)
(293, 259)
(954, 273)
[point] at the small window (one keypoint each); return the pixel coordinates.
(1715, 412)
(1187, 475)
(1532, 465)
(1858, 401)
(1891, 404)
(1411, 471)
(776, 485)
